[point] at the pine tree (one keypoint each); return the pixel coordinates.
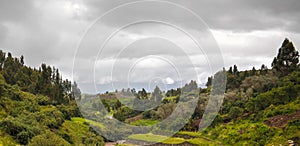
(230, 70)
(287, 58)
(22, 60)
(156, 95)
(2, 59)
(235, 70)
(76, 91)
(263, 69)
(253, 71)
(142, 94)
(209, 81)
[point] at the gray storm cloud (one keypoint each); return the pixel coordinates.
(248, 33)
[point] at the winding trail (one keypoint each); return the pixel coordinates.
(110, 144)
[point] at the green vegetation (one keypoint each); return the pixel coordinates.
(261, 107)
(144, 122)
(148, 137)
(174, 140)
(37, 106)
(200, 141)
(188, 133)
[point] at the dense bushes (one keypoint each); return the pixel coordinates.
(292, 131)
(2, 85)
(69, 111)
(48, 139)
(21, 132)
(243, 133)
(125, 112)
(280, 95)
(289, 108)
(259, 84)
(235, 112)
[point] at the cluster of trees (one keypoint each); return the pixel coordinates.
(25, 116)
(253, 97)
(36, 105)
(45, 80)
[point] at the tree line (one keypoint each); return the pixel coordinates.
(45, 80)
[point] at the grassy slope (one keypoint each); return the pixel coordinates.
(197, 139)
(24, 107)
(144, 122)
(249, 132)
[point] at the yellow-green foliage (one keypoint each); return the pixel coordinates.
(171, 99)
(174, 140)
(48, 139)
(242, 133)
(144, 122)
(282, 109)
(6, 140)
(188, 133)
(200, 141)
(26, 118)
(148, 137)
(92, 123)
(78, 133)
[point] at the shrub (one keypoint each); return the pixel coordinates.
(48, 139)
(23, 137)
(52, 118)
(235, 112)
(18, 129)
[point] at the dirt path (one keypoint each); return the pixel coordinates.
(281, 121)
(110, 144)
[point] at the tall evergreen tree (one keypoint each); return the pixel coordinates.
(76, 91)
(230, 70)
(253, 71)
(2, 59)
(235, 70)
(209, 81)
(287, 58)
(263, 69)
(22, 60)
(157, 94)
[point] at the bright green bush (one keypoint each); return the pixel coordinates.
(53, 118)
(242, 133)
(292, 131)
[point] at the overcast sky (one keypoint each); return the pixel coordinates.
(168, 47)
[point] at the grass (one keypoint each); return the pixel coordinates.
(76, 130)
(6, 140)
(188, 133)
(78, 120)
(201, 141)
(242, 132)
(91, 122)
(148, 137)
(289, 108)
(171, 98)
(144, 122)
(174, 140)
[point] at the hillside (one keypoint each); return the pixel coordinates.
(261, 107)
(30, 112)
